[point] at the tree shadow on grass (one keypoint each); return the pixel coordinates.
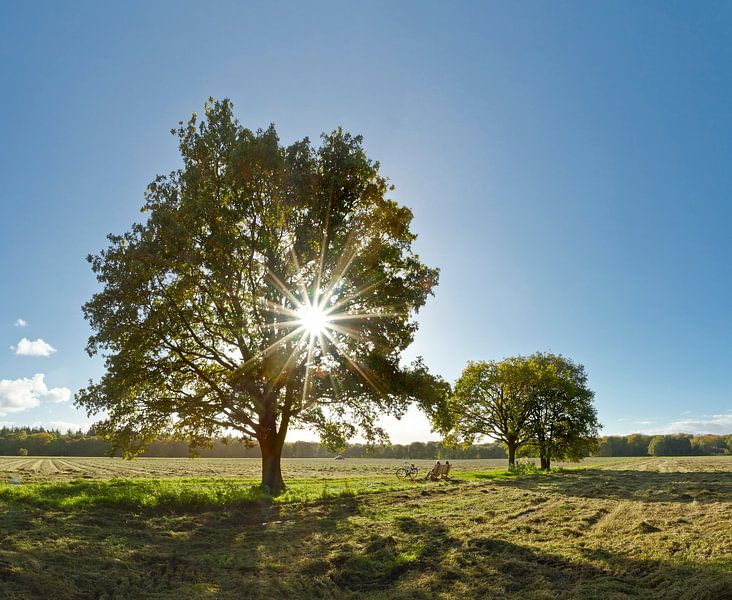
(97, 552)
(645, 486)
(376, 566)
(434, 562)
(526, 572)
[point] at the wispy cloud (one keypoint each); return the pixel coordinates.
(17, 395)
(37, 347)
(719, 424)
(20, 323)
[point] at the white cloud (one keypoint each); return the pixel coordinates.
(17, 395)
(58, 394)
(38, 347)
(20, 323)
(719, 424)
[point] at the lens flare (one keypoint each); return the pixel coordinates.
(313, 319)
(318, 323)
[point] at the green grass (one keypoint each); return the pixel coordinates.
(654, 528)
(195, 494)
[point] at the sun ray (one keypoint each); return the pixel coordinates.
(328, 294)
(308, 367)
(279, 309)
(357, 294)
(321, 341)
(304, 405)
(361, 316)
(303, 288)
(282, 287)
(323, 246)
(283, 324)
(285, 365)
(268, 350)
(355, 365)
(349, 332)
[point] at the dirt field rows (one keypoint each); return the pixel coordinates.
(37, 469)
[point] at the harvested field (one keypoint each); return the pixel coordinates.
(39, 469)
(646, 528)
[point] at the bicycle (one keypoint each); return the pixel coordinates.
(408, 471)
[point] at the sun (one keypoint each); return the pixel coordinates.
(313, 319)
(320, 321)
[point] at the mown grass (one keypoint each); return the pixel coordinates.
(46, 469)
(196, 494)
(650, 529)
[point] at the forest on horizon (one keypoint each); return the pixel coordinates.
(37, 441)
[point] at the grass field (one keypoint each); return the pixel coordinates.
(43, 469)
(176, 528)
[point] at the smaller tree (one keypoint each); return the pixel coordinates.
(563, 419)
(23, 452)
(541, 401)
(490, 399)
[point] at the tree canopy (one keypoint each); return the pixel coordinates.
(563, 419)
(269, 287)
(541, 401)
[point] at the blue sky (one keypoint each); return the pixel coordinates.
(567, 165)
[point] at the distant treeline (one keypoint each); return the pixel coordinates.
(42, 442)
(664, 445)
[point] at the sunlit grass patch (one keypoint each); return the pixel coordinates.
(133, 493)
(202, 493)
(181, 494)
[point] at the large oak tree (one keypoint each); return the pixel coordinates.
(268, 287)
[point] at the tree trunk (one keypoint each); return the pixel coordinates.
(511, 455)
(271, 468)
(545, 462)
